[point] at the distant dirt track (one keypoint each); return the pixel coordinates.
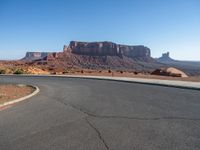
(89, 114)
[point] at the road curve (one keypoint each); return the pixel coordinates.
(86, 114)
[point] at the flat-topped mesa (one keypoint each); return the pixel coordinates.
(107, 49)
(30, 56)
(94, 48)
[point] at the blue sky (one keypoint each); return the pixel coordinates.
(46, 25)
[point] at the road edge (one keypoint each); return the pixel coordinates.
(166, 83)
(156, 82)
(36, 91)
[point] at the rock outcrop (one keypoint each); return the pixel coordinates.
(173, 72)
(190, 67)
(31, 56)
(107, 49)
(97, 55)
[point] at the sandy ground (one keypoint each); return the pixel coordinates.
(45, 71)
(11, 92)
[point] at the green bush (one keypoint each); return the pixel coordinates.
(18, 71)
(2, 71)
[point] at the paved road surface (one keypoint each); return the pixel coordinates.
(85, 114)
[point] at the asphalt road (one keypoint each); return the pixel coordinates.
(86, 114)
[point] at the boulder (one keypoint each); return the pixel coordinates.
(173, 72)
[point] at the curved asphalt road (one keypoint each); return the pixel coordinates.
(85, 114)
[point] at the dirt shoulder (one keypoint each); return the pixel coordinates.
(11, 92)
(133, 75)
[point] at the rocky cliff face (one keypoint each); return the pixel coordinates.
(30, 56)
(107, 49)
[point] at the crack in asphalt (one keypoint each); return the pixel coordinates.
(143, 118)
(88, 122)
(98, 133)
(89, 114)
(126, 117)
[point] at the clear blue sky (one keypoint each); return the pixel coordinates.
(46, 25)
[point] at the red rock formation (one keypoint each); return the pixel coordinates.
(173, 72)
(98, 55)
(107, 49)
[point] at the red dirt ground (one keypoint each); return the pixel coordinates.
(11, 92)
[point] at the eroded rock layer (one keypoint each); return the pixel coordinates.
(107, 49)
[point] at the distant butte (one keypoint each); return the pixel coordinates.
(31, 56)
(165, 58)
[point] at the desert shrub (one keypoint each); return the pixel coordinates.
(65, 72)
(82, 71)
(109, 71)
(51, 69)
(121, 72)
(100, 71)
(2, 71)
(18, 71)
